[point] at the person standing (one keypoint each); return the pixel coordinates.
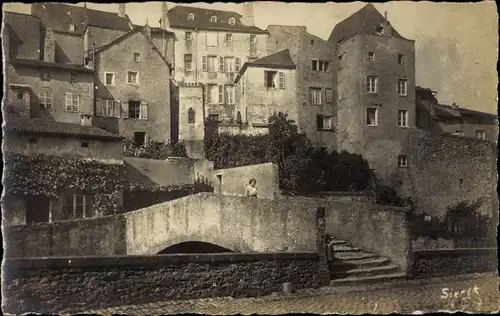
(251, 189)
(330, 255)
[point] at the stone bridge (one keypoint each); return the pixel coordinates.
(239, 224)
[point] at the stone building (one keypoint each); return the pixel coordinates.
(376, 91)
(210, 48)
(132, 87)
(265, 87)
(315, 80)
(439, 118)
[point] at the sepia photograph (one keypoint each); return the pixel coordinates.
(250, 158)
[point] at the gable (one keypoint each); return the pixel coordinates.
(24, 35)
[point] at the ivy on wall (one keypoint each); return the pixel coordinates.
(153, 150)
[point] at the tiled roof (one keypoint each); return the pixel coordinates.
(24, 35)
(363, 21)
(41, 63)
(442, 108)
(281, 59)
(44, 127)
(59, 16)
(177, 17)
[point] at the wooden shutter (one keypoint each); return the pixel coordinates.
(98, 107)
(221, 94)
(221, 64)
(117, 109)
(205, 94)
(281, 80)
(144, 110)
(310, 95)
(237, 64)
(265, 78)
(204, 63)
(125, 109)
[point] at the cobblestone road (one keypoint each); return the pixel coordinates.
(469, 294)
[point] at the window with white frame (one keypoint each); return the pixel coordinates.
(109, 78)
(212, 63)
(188, 36)
(372, 116)
(402, 161)
(229, 92)
(232, 21)
(137, 110)
(242, 82)
(190, 17)
(45, 98)
(229, 64)
(78, 206)
(221, 93)
(270, 78)
(211, 94)
(188, 62)
(237, 65)
(371, 84)
(324, 122)
(108, 107)
(221, 64)
(212, 39)
(281, 80)
(401, 59)
(229, 38)
(402, 87)
(316, 96)
(371, 56)
(72, 102)
(272, 111)
(132, 77)
(329, 95)
(320, 65)
(480, 134)
(213, 19)
(137, 57)
(402, 118)
(71, 27)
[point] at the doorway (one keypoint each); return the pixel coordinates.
(37, 209)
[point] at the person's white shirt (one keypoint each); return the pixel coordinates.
(251, 191)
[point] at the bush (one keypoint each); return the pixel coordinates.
(153, 150)
(302, 168)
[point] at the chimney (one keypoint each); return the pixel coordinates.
(49, 46)
(147, 29)
(386, 26)
(164, 23)
(86, 120)
(248, 14)
(121, 10)
(385, 15)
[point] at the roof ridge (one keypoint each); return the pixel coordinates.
(203, 9)
(20, 13)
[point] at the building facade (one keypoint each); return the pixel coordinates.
(210, 47)
(375, 91)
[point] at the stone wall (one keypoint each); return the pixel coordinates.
(233, 181)
(77, 284)
(446, 169)
(445, 262)
(172, 171)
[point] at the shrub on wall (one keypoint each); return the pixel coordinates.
(153, 150)
(302, 168)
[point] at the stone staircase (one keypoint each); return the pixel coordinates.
(354, 266)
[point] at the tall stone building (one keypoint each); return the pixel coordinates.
(375, 91)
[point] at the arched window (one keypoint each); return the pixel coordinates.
(213, 19)
(190, 115)
(232, 21)
(190, 17)
(238, 117)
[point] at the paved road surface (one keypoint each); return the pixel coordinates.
(479, 293)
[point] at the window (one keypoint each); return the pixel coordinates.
(188, 36)
(232, 21)
(212, 39)
(213, 117)
(401, 59)
(72, 77)
(402, 161)
(272, 111)
(45, 76)
(139, 138)
(137, 57)
(213, 19)
(315, 65)
(221, 64)
(320, 65)
(242, 82)
(132, 77)
(316, 96)
(191, 116)
(402, 87)
(221, 94)
(108, 107)
(237, 65)
(371, 84)
(229, 64)
(138, 110)
(72, 102)
(324, 122)
(253, 39)
(71, 27)
(188, 62)
(281, 80)
(77, 206)
(480, 134)
(270, 79)
(109, 79)
(329, 95)
(33, 140)
(212, 94)
(371, 56)
(372, 116)
(84, 144)
(229, 94)
(212, 63)
(459, 133)
(45, 98)
(229, 38)
(190, 17)
(379, 28)
(312, 42)
(402, 118)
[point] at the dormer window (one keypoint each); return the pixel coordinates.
(190, 17)
(71, 27)
(232, 21)
(213, 19)
(379, 28)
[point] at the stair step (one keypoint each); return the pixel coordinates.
(362, 263)
(344, 248)
(338, 242)
(357, 255)
(362, 272)
(368, 279)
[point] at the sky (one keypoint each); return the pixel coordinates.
(456, 44)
